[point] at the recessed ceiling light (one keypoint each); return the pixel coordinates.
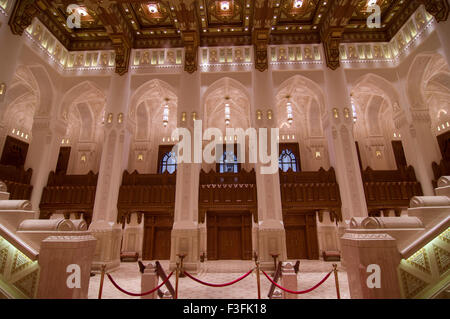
(225, 6)
(298, 4)
(153, 8)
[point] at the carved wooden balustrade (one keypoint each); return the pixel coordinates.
(439, 170)
(390, 190)
(142, 193)
(69, 194)
(17, 181)
(311, 191)
(225, 191)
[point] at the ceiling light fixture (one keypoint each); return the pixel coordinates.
(298, 4)
(152, 8)
(225, 6)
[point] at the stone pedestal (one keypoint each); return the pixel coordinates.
(272, 240)
(289, 281)
(109, 237)
(185, 241)
(362, 249)
(149, 281)
(57, 257)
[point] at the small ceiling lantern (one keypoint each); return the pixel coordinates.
(225, 5)
(290, 115)
(166, 113)
(227, 112)
(152, 8)
(298, 4)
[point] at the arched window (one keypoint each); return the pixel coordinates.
(168, 163)
(228, 163)
(287, 161)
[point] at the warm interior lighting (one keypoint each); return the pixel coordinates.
(152, 8)
(225, 6)
(371, 3)
(82, 12)
(298, 4)
(166, 113)
(227, 114)
(290, 115)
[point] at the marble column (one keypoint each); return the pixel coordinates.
(8, 64)
(43, 154)
(420, 145)
(114, 161)
(185, 238)
(271, 234)
(338, 128)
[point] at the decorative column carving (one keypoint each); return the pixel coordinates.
(185, 238)
(113, 162)
(338, 127)
(272, 236)
(43, 154)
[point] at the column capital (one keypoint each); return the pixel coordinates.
(421, 116)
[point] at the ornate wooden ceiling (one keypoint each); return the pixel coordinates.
(124, 25)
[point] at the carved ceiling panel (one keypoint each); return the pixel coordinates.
(123, 25)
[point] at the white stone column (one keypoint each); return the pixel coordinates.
(185, 238)
(42, 154)
(11, 48)
(338, 128)
(114, 160)
(420, 146)
(442, 30)
(272, 236)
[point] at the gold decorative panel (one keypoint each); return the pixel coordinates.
(427, 271)
(19, 275)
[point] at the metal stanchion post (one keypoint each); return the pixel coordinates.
(176, 280)
(102, 279)
(336, 279)
(258, 279)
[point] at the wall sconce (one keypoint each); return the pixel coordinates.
(336, 113)
(110, 118)
(269, 114)
(318, 155)
(183, 117)
(259, 114)
(2, 89)
(140, 157)
(347, 113)
(378, 154)
(83, 158)
(194, 116)
(166, 113)
(120, 118)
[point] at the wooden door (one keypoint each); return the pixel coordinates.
(157, 236)
(14, 152)
(301, 235)
(399, 154)
(444, 145)
(229, 235)
(63, 160)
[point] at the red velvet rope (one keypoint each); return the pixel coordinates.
(298, 292)
(141, 294)
(219, 285)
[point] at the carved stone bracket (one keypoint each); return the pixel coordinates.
(261, 40)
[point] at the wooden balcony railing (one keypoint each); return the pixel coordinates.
(439, 170)
(69, 194)
(390, 190)
(311, 191)
(225, 191)
(17, 181)
(141, 193)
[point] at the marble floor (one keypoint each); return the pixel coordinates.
(311, 272)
